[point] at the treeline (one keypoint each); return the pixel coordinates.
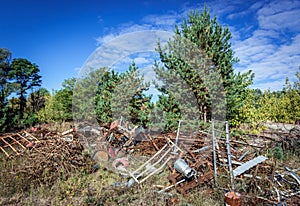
(195, 67)
(277, 106)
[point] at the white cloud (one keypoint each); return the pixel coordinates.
(168, 19)
(141, 60)
(272, 50)
(269, 62)
(106, 38)
(265, 34)
(122, 46)
(283, 20)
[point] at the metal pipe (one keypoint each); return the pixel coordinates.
(229, 155)
(214, 152)
(169, 187)
(177, 136)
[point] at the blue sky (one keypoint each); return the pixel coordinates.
(60, 36)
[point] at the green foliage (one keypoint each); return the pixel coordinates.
(58, 107)
(104, 94)
(85, 94)
(215, 40)
(279, 106)
(129, 99)
(5, 89)
(282, 106)
(201, 55)
(247, 113)
(166, 113)
(36, 100)
(278, 153)
(122, 95)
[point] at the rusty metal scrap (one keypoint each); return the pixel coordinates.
(14, 144)
(192, 160)
(44, 155)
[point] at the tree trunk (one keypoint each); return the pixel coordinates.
(22, 104)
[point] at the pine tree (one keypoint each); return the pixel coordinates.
(201, 54)
(26, 75)
(122, 95)
(6, 88)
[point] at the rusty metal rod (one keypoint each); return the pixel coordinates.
(17, 142)
(4, 151)
(11, 147)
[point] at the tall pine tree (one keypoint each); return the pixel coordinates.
(200, 52)
(26, 75)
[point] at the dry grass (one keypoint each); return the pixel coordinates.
(91, 189)
(95, 188)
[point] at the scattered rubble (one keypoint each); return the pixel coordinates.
(240, 166)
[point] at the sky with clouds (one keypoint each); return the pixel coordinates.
(64, 36)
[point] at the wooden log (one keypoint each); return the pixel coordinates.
(233, 199)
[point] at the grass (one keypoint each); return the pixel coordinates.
(90, 189)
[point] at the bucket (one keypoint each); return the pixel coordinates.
(181, 166)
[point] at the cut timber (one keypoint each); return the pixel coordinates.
(247, 165)
(17, 142)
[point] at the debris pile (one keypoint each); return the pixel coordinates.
(243, 164)
(14, 144)
(243, 167)
(45, 154)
